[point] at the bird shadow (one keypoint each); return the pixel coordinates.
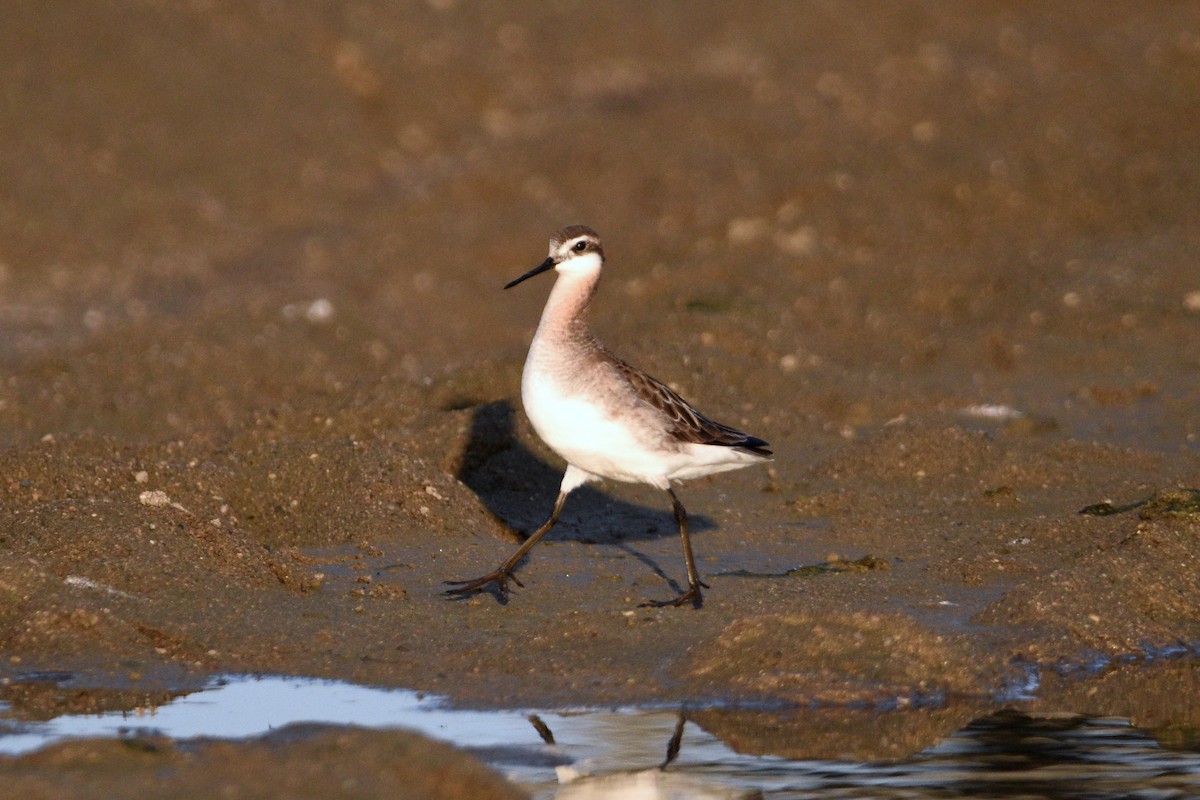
(519, 489)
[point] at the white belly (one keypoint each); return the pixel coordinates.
(593, 438)
(619, 441)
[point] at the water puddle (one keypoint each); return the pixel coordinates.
(662, 752)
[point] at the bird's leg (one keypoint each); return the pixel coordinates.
(504, 572)
(692, 595)
(676, 740)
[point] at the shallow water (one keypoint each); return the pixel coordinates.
(576, 753)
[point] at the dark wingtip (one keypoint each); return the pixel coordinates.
(756, 445)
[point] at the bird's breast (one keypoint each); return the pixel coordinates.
(584, 419)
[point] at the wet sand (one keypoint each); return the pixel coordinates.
(259, 386)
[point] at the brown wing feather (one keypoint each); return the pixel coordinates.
(687, 424)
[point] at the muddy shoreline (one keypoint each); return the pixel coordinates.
(259, 384)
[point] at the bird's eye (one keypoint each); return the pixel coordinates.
(580, 246)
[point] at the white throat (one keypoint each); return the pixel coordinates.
(587, 264)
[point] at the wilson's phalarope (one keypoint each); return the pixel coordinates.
(606, 418)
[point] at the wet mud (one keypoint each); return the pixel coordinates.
(259, 386)
(296, 761)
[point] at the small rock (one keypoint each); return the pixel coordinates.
(154, 498)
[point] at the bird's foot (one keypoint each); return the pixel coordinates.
(499, 577)
(692, 595)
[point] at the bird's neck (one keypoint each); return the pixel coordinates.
(565, 316)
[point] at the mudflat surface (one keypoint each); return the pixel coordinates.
(259, 386)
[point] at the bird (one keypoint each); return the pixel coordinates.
(605, 417)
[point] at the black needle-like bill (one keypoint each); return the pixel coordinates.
(540, 268)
